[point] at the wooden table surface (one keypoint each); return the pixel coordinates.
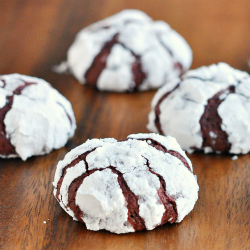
(34, 36)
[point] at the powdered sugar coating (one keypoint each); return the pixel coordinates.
(158, 52)
(170, 144)
(104, 183)
(38, 120)
(180, 112)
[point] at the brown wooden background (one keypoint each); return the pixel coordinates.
(34, 35)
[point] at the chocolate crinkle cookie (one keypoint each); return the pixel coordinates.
(127, 52)
(34, 117)
(126, 186)
(207, 109)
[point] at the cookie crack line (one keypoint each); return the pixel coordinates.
(73, 188)
(110, 26)
(79, 158)
(211, 122)
(65, 111)
(198, 78)
(4, 83)
(6, 148)
(177, 65)
(170, 215)
(158, 112)
(162, 148)
(76, 184)
(100, 61)
(134, 219)
(136, 67)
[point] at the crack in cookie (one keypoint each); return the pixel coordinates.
(6, 148)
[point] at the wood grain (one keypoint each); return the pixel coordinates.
(35, 35)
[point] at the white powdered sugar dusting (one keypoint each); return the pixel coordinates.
(40, 119)
(181, 111)
(234, 158)
(170, 144)
(163, 53)
(101, 199)
(108, 169)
